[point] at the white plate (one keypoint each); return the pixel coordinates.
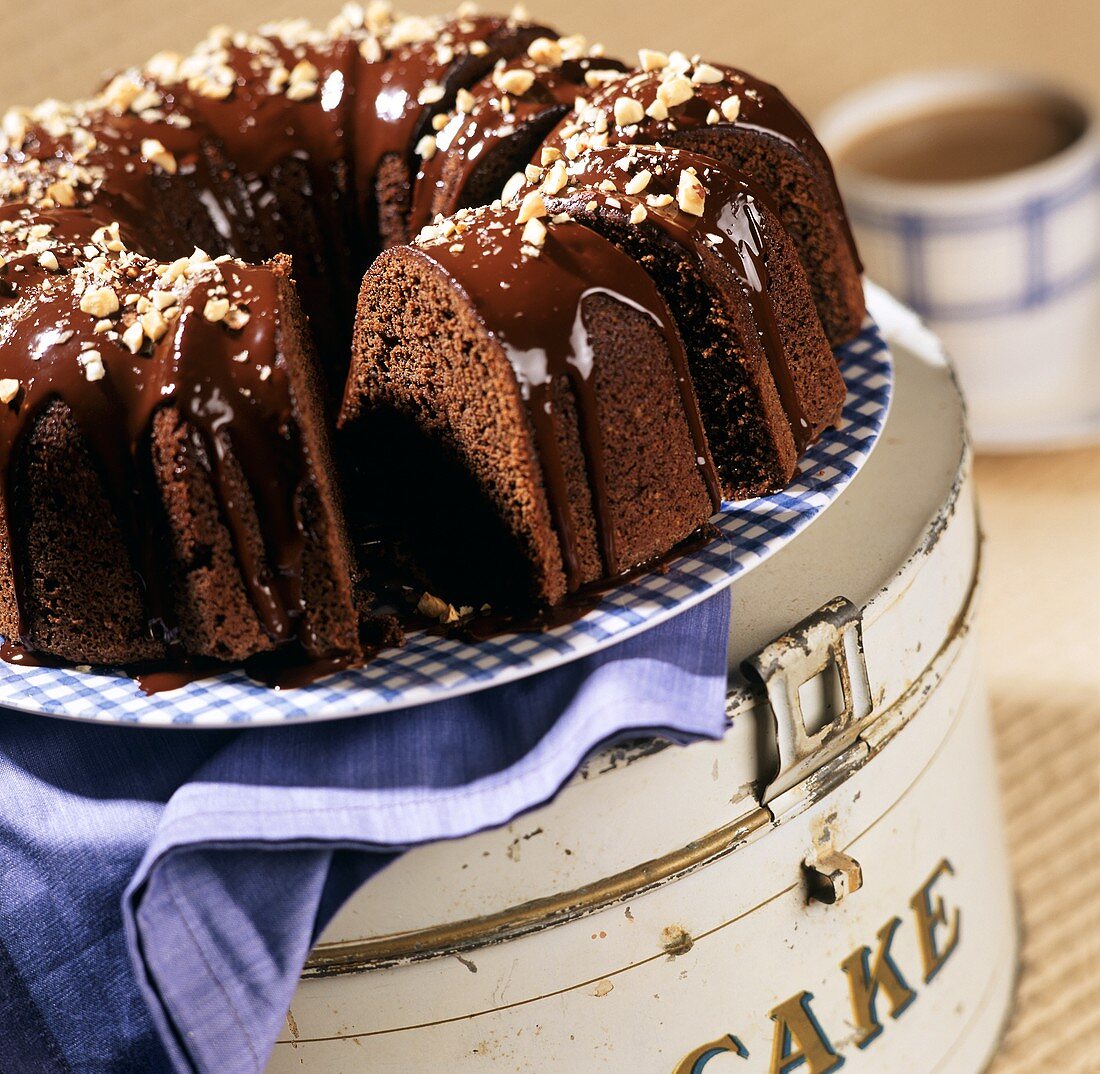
(430, 668)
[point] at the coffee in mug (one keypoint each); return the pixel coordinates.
(970, 140)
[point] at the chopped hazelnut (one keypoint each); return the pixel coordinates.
(154, 324)
(152, 149)
(675, 91)
(48, 260)
(99, 301)
(432, 93)
(545, 51)
(637, 183)
(689, 193)
(431, 606)
(658, 201)
(731, 108)
(706, 74)
(62, 192)
(514, 80)
(657, 110)
(534, 232)
(92, 363)
(549, 155)
(370, 48)
(215, 309)
(556, 178)
(638, 213)
(237, 317)
(465, 101)
(513, 187)
(628, 111)
(532, 207)
(301, 91)
(9, 389)
(304, 71)
(425, 148)
(134, 337)
(651, 60)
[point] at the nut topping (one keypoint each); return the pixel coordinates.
(532, 207)
(689, 193)
(628, 112)
(99, 301)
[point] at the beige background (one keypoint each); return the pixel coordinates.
(1041, 512)
(816, 49)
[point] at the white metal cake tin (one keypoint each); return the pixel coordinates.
(825, 886)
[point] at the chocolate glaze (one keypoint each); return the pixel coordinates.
(390, 120)
(763, 109)
(538, 320)
(469, 139)
(239, 407)
(101, 150)
(730, 230)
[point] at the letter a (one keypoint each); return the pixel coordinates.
(799, 1038)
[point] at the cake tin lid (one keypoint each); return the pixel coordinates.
(862, 541)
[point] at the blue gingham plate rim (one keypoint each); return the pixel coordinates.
(432, 668)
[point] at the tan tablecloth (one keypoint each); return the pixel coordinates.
(814, 49)
(1041, 627)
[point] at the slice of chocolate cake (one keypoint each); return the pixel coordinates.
(765, 376)
(166, 480)
(526, 387)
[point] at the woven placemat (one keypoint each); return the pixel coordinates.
(1041, 628)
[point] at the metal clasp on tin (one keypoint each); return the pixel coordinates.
(812, 762)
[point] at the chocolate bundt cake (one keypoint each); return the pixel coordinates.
(572, 376)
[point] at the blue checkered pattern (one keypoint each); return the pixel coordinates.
(1039, 269)
(429, 668)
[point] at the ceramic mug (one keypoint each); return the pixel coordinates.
(1006, 268)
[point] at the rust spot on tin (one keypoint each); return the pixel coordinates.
(603, 988)
(292, 1025)
(467, 963)
(676, 940)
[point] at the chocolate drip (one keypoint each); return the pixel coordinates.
(538, 318)
(226, 383)
(730, 228)
(762, 108)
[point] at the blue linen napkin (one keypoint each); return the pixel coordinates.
(139, 869)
